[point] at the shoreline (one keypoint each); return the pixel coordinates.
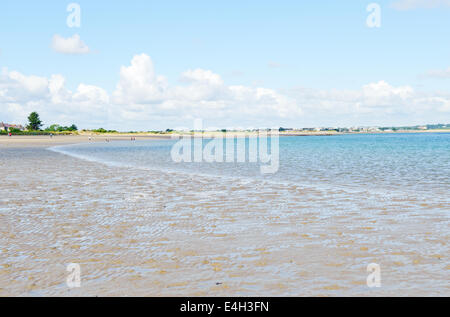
(18, 141)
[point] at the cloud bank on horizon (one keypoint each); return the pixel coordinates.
(143, 100)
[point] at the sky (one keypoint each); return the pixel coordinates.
(152, 65)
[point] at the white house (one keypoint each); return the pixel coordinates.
(7, 127)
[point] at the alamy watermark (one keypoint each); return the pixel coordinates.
(262, 146)
(74, 278)
(374, 278)
(74, 18)
(374, 18)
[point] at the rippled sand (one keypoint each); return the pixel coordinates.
(145, 233)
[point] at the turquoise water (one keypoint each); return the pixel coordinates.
(418, 163)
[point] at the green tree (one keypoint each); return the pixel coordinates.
(52, 128)
(73, 127)
(14, 130)
(34, 122)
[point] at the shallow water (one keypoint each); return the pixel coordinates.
(139, 224)
(405, 164)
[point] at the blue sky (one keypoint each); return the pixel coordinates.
(323, 47)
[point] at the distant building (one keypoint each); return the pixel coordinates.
(7, 127)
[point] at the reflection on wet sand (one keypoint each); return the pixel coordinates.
(147, 233)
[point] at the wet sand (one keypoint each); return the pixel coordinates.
(162, 234)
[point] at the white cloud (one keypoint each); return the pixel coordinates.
(139, 83)
(21, 94)
(445, 105)
(142, 95)
(201, 76)
(16, 87)
(382, 94)
(88, 93)
(374, 104)
(443, 73)
(419, 4)
(70, 45)
(143, 100)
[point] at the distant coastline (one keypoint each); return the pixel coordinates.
(248, 132)
(26, 141)
(207, 133)
(35, 128)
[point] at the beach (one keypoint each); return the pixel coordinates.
(45, 141)
(157, 233)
